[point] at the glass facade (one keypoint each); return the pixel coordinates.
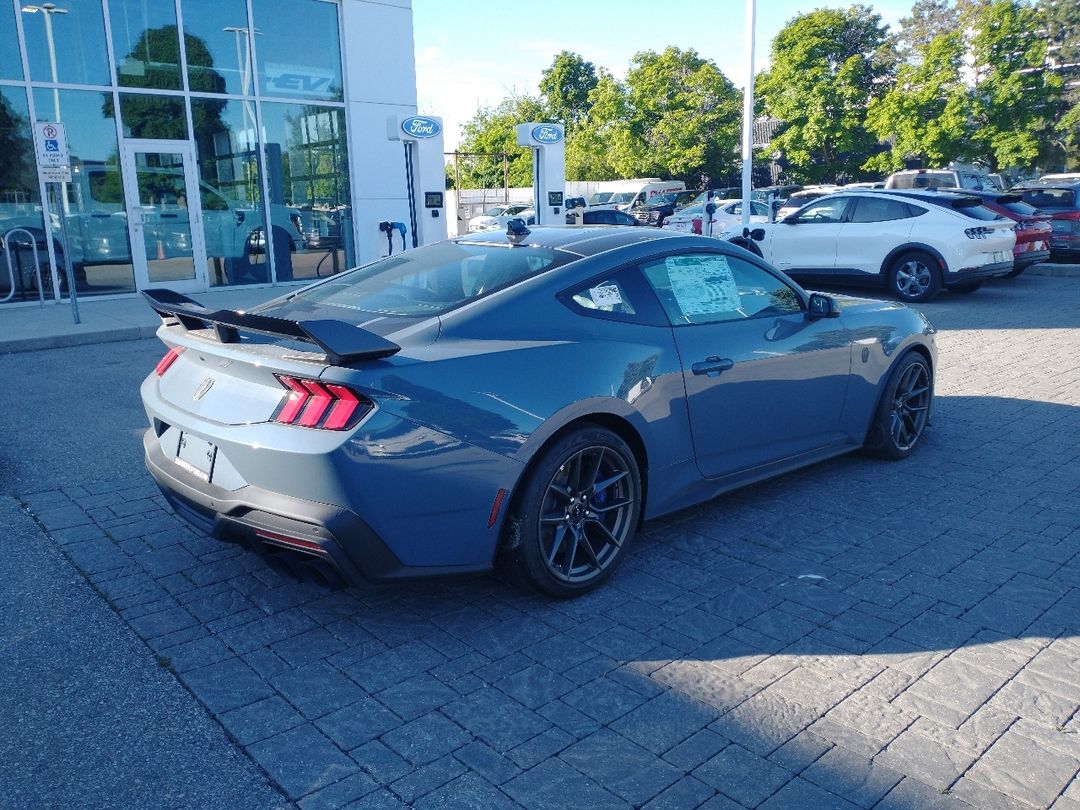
(208, 145)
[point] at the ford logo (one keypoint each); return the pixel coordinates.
(545, 133)
(420, 127)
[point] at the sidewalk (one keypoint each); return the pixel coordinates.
(30, 328)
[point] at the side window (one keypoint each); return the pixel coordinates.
(871, 209)
(620, 296)
(713, 287)
(826, 210)
(211, 200)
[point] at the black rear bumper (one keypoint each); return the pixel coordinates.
(253, 517)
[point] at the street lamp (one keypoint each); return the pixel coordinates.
(47, 10)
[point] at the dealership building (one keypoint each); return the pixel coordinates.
(211, 142)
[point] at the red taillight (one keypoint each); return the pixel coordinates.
(313, 404)
(168, 359)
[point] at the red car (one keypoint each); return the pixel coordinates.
(1033, 227)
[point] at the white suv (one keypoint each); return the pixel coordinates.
(915, 243)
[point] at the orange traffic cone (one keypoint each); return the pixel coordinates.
(160, 249)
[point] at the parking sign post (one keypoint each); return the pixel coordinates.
(54, 169)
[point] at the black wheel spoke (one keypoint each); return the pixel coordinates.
(571, 555)
(607, 482)
(606, 532)
(553, 517)
(559, 490)
(560, 533)
(594, 470)
(611, 506)
(587, 545)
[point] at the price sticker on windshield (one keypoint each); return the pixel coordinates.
(606, 295)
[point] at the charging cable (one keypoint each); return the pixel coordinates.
(388, 228)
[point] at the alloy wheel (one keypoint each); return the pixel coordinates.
(910, 406)
(586, 514)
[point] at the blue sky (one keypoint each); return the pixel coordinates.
(474, 53)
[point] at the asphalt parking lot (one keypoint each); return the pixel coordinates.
(858, 634)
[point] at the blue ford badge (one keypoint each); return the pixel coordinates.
(545, 133)
(420, 127)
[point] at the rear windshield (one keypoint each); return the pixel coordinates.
(1018, 206)
(433, 279)
(922, 180)
(977, 212)
(599, 197)
(1048, 197)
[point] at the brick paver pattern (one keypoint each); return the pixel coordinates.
(858, 634)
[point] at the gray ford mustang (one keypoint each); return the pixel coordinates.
(526, 398)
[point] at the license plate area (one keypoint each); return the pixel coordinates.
(196, 455)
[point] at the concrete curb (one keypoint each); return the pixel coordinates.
(114, 335)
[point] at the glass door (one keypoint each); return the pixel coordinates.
(164, 215)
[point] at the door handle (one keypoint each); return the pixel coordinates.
(712, 366)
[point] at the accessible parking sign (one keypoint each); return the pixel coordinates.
(53, 161)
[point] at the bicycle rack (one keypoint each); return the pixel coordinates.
(4, 241)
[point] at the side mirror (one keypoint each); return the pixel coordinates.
(710, 208)
(240, 217)
(758, 234)
(822, 306)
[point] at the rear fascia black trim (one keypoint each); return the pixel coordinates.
(342, 342)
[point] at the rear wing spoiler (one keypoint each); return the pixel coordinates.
(342, 342)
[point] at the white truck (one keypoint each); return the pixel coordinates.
(97, 225)
(622, 195)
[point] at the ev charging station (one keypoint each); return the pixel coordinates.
(425, 177)
(548, 144)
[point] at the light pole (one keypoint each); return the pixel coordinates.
(748, 114)
(243, 64)
(47, 10)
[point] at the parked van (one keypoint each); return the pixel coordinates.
(626, 194)
(955, 175)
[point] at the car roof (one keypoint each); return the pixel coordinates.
(928, 195)
(574, 239)
(1063, 185)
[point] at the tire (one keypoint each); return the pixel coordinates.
(966, 287)
(904, 410)
(566, 534)
(914, 277)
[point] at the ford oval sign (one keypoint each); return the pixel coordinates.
(546, 134)
(420, 127)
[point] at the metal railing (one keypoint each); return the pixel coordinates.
(7, 245)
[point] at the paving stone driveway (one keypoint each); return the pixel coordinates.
(858, 634)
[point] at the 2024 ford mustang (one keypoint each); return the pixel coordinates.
(527, 398)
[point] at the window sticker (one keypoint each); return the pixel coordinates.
(702, 285)
(606, 295)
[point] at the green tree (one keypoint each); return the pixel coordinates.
(1062, 24)
(827, 65)
(603, 146)
(565, 88)
(1014, 97)
(493, 131)
(925, 114)
(929, 19)
(684, 115)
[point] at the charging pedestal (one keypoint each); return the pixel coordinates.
(548, 145)
(425, 174)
